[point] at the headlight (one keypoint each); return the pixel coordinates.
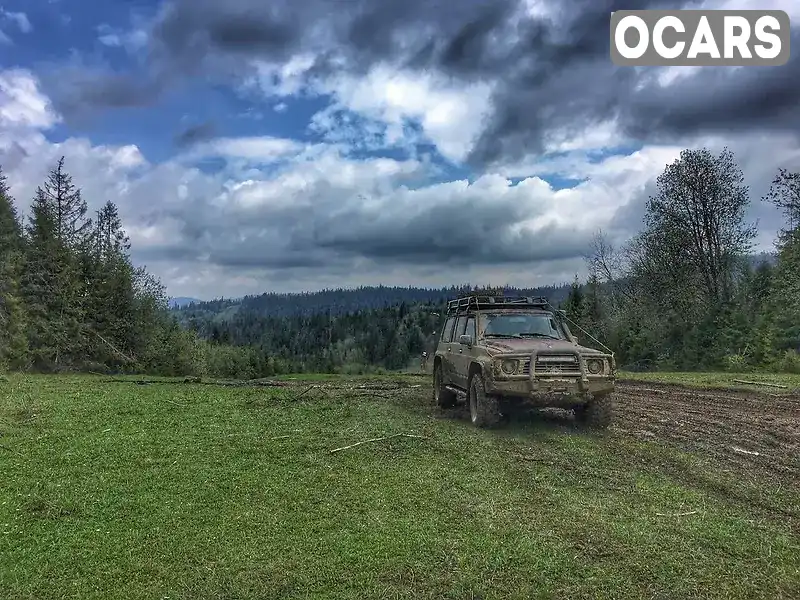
(509, 366)
(595, 366)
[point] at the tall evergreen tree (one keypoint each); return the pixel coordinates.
(54, 285)
(110, 318)
(13, 339)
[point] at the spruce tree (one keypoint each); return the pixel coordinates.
(54, 285)
(13, 340)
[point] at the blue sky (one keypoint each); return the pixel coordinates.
(344, 145)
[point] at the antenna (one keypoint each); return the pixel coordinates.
(589, 335)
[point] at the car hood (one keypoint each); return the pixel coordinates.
(528, 345)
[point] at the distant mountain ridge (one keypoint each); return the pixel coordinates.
(342, 301)
(182, 301)
(347, 300)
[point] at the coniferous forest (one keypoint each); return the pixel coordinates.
(685, 293)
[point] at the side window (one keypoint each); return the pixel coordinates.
(447, 332)
(462, 320)
(470, 327)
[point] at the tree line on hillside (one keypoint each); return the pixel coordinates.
(341, 301)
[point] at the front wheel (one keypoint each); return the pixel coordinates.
(597, 413)
(442, 397)
(484, 409)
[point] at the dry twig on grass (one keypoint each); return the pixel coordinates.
(388, 437)
(175, 403)
(304, 392)
(743, 451)
(683, 514)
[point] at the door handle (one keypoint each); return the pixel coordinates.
(460, 350)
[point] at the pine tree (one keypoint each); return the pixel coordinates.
(107, 269)
(53, 285)
(13, 340)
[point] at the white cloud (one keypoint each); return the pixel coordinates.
(20, 20)
(288, 216)
(21, 102)
(451, 115)
(132, 40)
(263, 149)
(387, 103)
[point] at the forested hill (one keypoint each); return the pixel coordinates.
(340, 301)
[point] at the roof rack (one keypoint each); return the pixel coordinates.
(494, 302)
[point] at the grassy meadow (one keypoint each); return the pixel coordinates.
(185, 491)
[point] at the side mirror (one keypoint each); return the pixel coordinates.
(465, 339)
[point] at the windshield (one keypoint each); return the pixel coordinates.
(521, 325)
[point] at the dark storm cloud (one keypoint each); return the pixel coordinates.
(193, 134)
(448, 225)
(550, 74)
(722, 101)
(469, 231)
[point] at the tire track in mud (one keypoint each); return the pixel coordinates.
(751, 431)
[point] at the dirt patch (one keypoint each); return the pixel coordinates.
(752, 431)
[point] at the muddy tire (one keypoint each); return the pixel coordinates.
(442, 397)
(484, 409)
(597, 413)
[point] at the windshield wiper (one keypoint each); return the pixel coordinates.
(501, 335)
(545, 335)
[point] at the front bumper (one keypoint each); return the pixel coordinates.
(550, 382)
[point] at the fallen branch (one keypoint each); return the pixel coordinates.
(113, 348)
(775, 385)
(303, 393)
(388, 437)
(175, 403)
(245, 383)
(683, 514)
(743, 451)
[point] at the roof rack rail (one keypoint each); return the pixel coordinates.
(494, 302)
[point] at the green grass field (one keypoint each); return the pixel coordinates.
(116, 490)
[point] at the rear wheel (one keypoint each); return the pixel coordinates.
(484, 409)
(443, 397)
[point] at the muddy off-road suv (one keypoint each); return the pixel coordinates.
(502, 354)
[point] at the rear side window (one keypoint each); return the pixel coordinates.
(447, 332)
(462, 320)
(470, 327)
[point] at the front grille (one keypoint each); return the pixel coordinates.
(561, 365)
(526, 367)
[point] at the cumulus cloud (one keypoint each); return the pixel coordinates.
(488, 83)
(524, 91)
(21, 102)
(132, 40)
(19, 19)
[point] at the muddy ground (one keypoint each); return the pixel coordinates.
(751, 431)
